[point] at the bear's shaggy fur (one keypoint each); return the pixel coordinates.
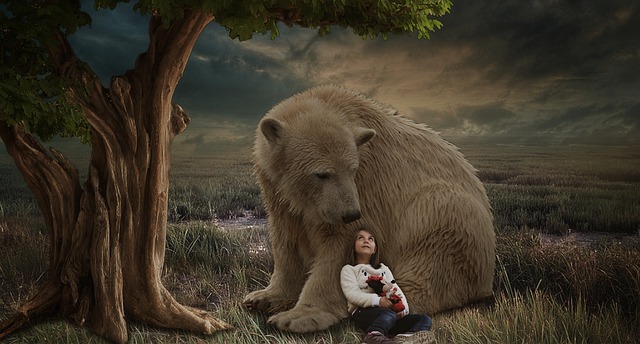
(330, 161)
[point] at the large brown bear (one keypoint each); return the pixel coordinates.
(330, 161)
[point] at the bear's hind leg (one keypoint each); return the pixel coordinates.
(449, 258)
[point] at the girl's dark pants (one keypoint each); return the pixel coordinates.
(386, 321)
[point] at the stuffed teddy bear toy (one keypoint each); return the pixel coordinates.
(388, 289)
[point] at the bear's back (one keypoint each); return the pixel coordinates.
(402, 148)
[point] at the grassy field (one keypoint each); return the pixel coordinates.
(549, 288)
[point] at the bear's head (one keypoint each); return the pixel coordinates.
(311, 155)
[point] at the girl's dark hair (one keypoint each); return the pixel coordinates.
(374, 261)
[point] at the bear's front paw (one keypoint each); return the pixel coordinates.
(304, 319)
(266, 301)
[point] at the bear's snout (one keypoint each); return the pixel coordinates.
(351, 216)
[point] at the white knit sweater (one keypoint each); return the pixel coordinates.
(353, 280)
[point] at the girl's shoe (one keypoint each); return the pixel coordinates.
(376, 337)
(421, 337)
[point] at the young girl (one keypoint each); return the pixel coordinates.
(370, 312)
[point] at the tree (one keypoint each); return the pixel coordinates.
(108, 235)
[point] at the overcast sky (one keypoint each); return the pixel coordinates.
(510, 68)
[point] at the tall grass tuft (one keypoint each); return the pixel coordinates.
(207, 265)
(533, 316)
(205, 201)
(561, 189)
(604, 277)
(23, 258)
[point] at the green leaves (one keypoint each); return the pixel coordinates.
(39, 103)
(30, 90)
(367, 18)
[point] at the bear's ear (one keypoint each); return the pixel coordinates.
(272, 129)
(363, 135)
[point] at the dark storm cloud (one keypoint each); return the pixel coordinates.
(527, 40)
(491, 119)
(488, 119)
(535, 67)
(631, 117)
(564, 67)
(488, 114)
(595, 120)
(113, 40)
(228, 79)
(574, 117)
(438, 120)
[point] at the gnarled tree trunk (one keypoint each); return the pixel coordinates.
(108, 237)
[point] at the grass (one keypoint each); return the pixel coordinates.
(208, 188)
(533, 317)
(560, 189)
(544, 293)
(559, 292)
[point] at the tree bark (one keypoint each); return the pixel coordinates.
(108, 237)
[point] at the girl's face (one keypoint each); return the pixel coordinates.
(365, 245)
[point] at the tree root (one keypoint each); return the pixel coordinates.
(167, 312)
(42, 304)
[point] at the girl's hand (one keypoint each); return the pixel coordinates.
(385, 302)
(400, 315)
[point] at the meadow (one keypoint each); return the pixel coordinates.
(567, 219)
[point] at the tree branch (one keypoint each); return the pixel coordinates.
(52, 178)
(170, 48)
(179, 120)
(55, 183)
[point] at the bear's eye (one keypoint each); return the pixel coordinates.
(322, 175)
(364, 273)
